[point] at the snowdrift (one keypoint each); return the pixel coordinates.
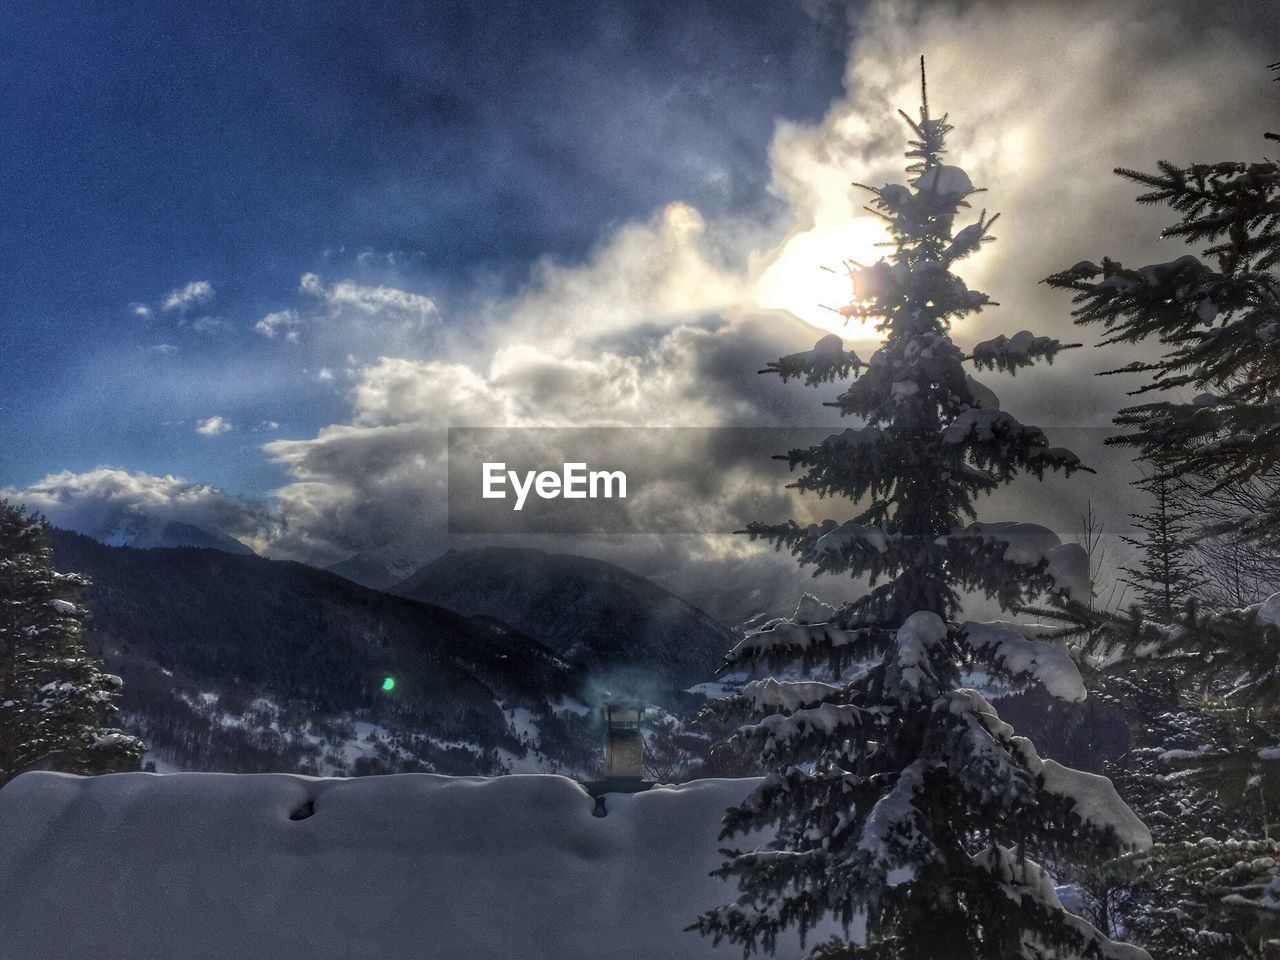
(138, 866)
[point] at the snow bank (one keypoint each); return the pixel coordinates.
(139, 866)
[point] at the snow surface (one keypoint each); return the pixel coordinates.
(140, 866)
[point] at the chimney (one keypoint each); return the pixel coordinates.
(623, 754)
(623, 744)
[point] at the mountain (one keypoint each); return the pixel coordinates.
(239, 663)
(371, 571)
(591, 612)
(133, 528)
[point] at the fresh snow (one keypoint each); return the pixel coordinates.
(140, 866)
(918, 633)
(1021, 878)
(984, 397)
(1269, 611)
(844, 536)
(944, 179)
(811, 609)
(1014, 351)
(1029, 544)
(773, 694)
(1096, 802)
(1039, 660)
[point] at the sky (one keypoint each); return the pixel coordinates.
(438, 149)
(255, 258)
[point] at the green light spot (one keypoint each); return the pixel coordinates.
(389, 684)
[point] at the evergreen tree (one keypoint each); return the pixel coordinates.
(1199, 695)
(1198, 775)
(1234, 571)
(900, 796)
(54, 698)
(1164, 578)
(1218, 326)
(1215, 437)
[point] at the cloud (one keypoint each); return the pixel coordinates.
(213, 426)
(163, 349)
(100, 500)
(668, 318)
(194, 294)
(1046, 100)
(672, 267)
(284, 322)
(396, 390)
(386, 303)
(346, 318)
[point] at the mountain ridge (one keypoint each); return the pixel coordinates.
(594, 613)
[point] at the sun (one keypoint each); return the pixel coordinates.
(806, 276)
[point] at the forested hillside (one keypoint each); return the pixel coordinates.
(242, 663)
(589, 611)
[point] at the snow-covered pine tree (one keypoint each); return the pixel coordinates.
(901, 797)
(1164, 579)
(1194, 777)
(1219, 327)
(54, 697)
(1198, 775)
(1234, 571)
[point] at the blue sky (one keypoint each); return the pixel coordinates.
(437, 148)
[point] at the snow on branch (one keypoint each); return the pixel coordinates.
(828, 360)
(917, 638)
(771, 694)
(1031, 545)
(785, 733)
(987, 425)
(1008, 354)
(784, 641)
(945, 179)
(1046, 663)
(1094, 800)
(1023, 880)
(982, 396)
(970, 238)
(892, 832)
(998, 438)
(847, 535)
